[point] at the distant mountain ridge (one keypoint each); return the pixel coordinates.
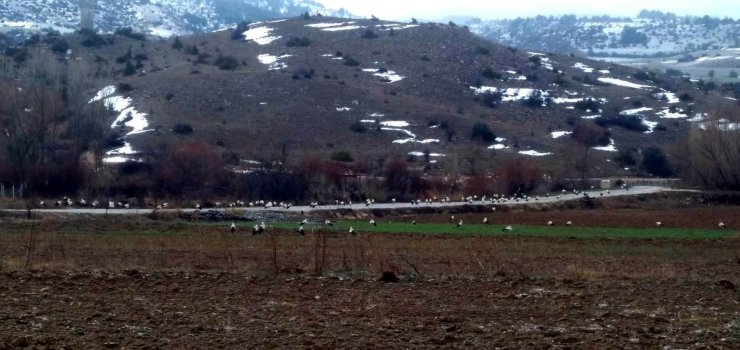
(154, 17)
(651, 33)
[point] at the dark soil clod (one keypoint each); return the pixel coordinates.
(389, 277)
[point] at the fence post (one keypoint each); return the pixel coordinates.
(13, 191)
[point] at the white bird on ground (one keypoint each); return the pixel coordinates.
(255, 230)
(372, 222)
(569, 223)
(262, 227)
(304, 222)
(508, 228)
(301, 231)
(328, 222)
(659, 224)
(459, 224)
(452, 218)
(351, 230)
(550, 223)
(722, 225)
(485, 220)
(413, 222)
(233, 227)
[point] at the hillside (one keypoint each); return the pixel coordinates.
(651, 34)
(284, 91)
(153, 17)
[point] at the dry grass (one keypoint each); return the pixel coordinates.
(174, 246)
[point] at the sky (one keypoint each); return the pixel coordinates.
(494, 9)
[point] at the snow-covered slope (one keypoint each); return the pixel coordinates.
(155, 17)
(646, 35)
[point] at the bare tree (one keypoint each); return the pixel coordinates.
(714, 150)
(589, 135)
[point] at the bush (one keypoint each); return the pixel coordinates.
(226, 63)
(491, 99)
(298, 42)
(358, 127)
(368, 34)
(238, 32)
(588, 104)
(673, 72)
(125, 57)
(124, 87)
(128, 32)
(537, 60)
(733, 74)
(191, 50)
(60, 45)
(535, 100)
(632, 123)
(91, 39)
(655, 162)
(591, 135)
(342, 156)
(349, 61)
(129, 69)
(490, 73)
(482, 133)
(646, 76)
(177, 44)
(182, 129)
(480, 50)
(626, 158)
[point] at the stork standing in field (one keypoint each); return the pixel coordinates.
(485, 221)
(372, 222)
(569, 223)
(459, 224)
(301, 231)
(233, 227)
(508, 228)
(351, 230)
(262, 227)
(658, 224)
(722, 225)
(255, 230)
(550, 223)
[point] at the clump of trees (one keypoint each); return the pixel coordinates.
(631, 36)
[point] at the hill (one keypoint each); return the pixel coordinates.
(152, 17)
(283, 92)
(650, 34)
